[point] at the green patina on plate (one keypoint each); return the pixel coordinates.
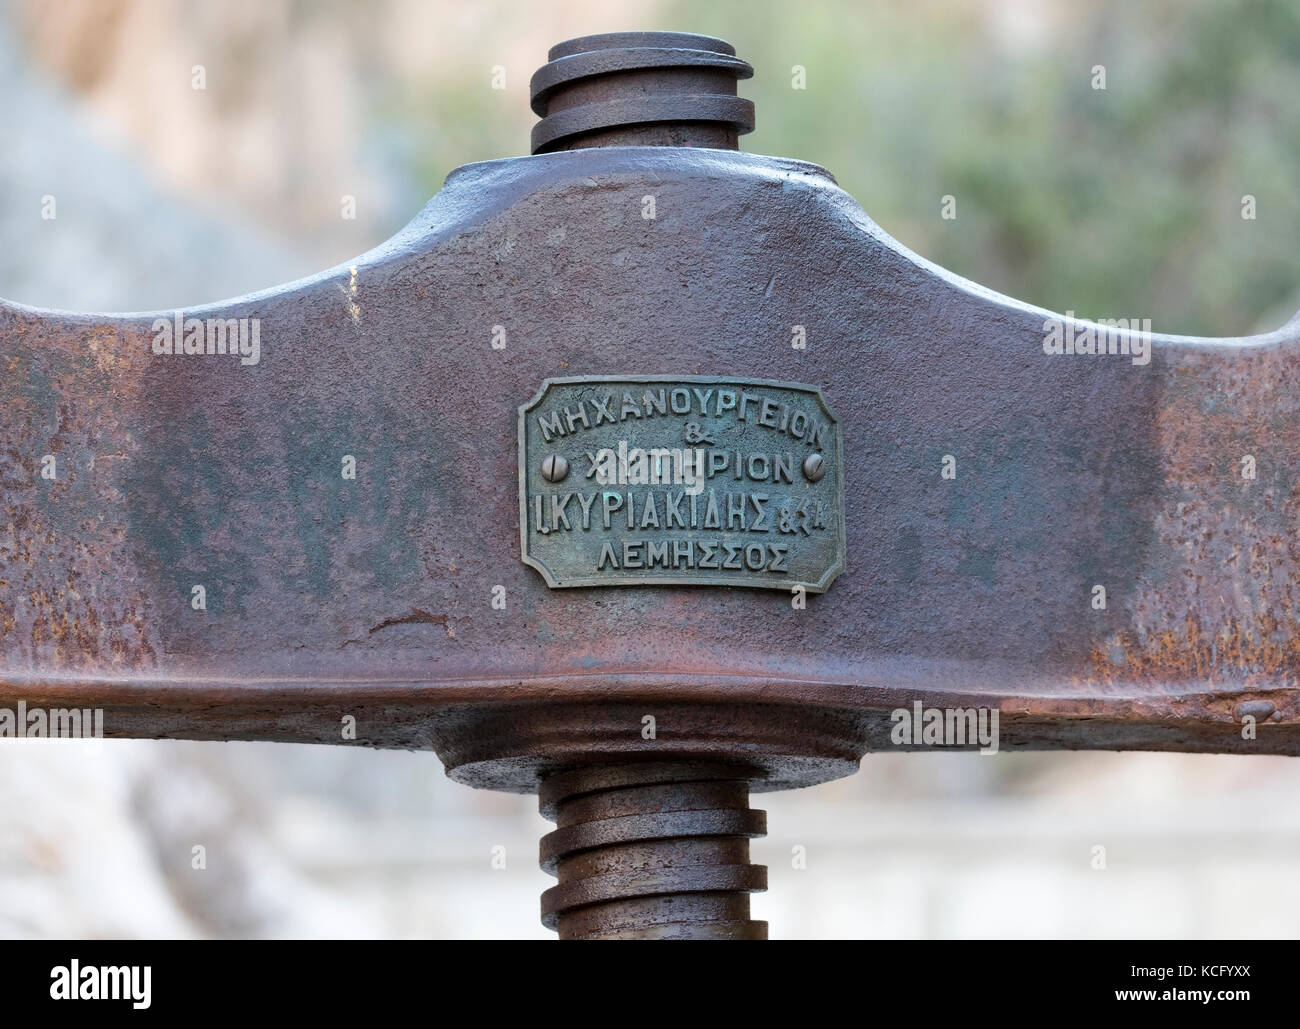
(650, 480)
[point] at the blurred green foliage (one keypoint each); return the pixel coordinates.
(1122, 202)
(1116, 202)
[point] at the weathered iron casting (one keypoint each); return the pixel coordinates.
(639, 242)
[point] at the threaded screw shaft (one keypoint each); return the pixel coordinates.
(652, 850)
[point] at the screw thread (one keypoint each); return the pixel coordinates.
(640, 89)
(651, 851)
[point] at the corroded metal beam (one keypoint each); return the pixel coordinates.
(991, 488)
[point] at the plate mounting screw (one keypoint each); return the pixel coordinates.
(555, 467)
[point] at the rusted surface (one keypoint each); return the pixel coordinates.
(1217, 604)
(372, 597)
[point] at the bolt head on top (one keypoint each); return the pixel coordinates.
(640, 89)
(814, 467)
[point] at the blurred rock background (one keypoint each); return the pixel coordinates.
(1123, 202)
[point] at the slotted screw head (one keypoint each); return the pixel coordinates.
(554, 467)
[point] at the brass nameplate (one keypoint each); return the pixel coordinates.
(681, 480)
